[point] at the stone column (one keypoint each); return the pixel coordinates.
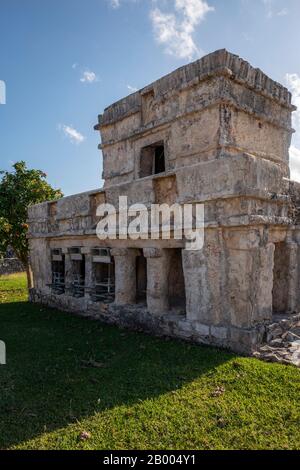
(262, 274)
(203, 274)
(86, 251)
(68, 269)
(125, 275)
(249, 282)
(197, 291)
(292, 253)
(158, 266)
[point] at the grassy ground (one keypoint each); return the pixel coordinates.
(66, 375)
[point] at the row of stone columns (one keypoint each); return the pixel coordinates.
(230, 281)
(158, 269)
(158, 265)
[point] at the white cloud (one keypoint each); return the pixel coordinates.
(133, 89)
(88, 77)
(73, 135)
(293, 83)
(2, 92)
(270, 12)
(175, 29)
(283, 12)
(114, 3)
(269, 7)
(75, 65)
(295, 163)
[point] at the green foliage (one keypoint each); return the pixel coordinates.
(66, 375)
(18, 190)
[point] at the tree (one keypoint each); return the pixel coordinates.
(19, 189)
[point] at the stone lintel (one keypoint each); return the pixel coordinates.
(86, 250)
(154, 252)
(131, 252)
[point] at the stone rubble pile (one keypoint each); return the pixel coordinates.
(282, 341)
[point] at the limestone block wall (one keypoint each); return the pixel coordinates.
(217, 104)
(225, 128)
(40, 263)
(230, 288)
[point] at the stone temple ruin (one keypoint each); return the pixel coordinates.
(216, 131)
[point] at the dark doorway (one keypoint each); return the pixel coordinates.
(141, 279)
(152, 160)
(280, 278)
(78, 277)
(159, 160)
(58, 273)
(103, 282)
(176, 281)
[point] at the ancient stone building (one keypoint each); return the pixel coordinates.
(216, 131)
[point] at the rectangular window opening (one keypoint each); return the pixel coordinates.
(141, 279)
(152, 160)
(78, 277)
(177, 299)
(58, 272)
(103, 289)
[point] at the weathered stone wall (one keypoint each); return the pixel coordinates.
(226, 130)
(166, 323)
(198, 111)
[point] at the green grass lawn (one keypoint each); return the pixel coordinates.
(65, 375)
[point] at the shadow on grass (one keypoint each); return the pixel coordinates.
(61, 368)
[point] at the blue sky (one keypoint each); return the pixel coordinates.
(64, 61)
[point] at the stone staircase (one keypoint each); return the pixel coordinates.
(282, 341)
